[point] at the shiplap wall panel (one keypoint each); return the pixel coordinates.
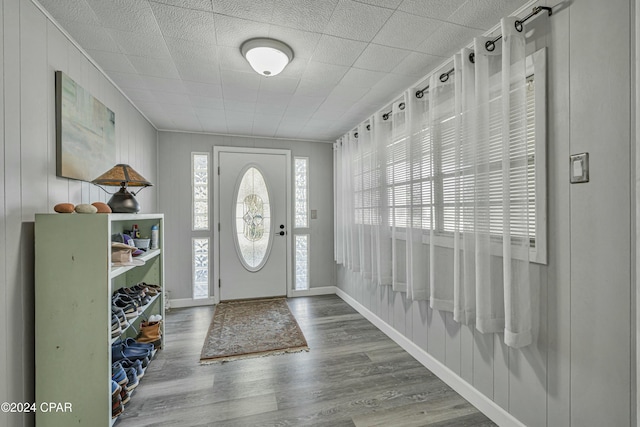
(13, 203)
(501, 369)
(600, 263)
(420, 331)
(466, 357)
(4, 387)
(453, 343)
(559, 243)
(57, 59)
(437, 335)
(32, 50)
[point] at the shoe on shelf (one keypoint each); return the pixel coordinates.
(130, 342)
(118, 374)
(122, 318)
(127, 306)
(116, 399)
(119, 352)
(133, 364)
(150, 333)
(155, 318)
(132, 375)
(125, 395)
(116, 329)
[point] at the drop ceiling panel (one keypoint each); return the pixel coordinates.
(93, 37)
(126, 15)
(187, 24)
(380, 58)
(338, 51)
(255, 10)
(436, 9)
(308, 15)
(405, 31)
(357, 21)
(149, 45)
(180, 62)
(189, 4)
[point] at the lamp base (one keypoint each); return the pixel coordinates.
(123, 202)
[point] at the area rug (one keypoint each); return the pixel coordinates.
(254, 328)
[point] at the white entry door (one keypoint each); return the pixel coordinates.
(253, 238)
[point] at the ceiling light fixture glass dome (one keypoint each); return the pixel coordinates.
(267, 57)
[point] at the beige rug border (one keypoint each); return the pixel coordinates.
(274, 352)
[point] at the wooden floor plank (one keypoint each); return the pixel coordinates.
(354, 375)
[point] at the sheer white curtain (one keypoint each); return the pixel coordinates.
(435, 200)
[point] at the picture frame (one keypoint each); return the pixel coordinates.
(85, 132)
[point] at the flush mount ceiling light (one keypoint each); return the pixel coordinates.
(266, 56)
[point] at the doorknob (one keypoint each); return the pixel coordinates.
(281, 226)
(282, 233)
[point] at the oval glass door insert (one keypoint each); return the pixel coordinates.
(252, 220)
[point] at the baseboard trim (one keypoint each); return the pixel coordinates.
(323, 290)
(190, 302)
(488, 407)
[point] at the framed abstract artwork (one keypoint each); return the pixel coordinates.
(85, 132)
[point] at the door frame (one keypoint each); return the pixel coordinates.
(216, 211)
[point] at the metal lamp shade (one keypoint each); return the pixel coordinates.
(124, 176)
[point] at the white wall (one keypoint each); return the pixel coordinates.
(175, 201)
(578, 371)
(32, 49)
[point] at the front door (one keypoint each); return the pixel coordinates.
(253, 239)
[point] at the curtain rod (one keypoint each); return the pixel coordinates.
(385, 116)
(490, 45)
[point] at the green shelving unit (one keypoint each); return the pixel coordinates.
(73, 288)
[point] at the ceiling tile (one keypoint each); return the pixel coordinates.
(172, 98)
(361, 78)
(309, 15)
(230, 58)
(256, 10)
(301, 102)
(140, 95)
(203, 89)
(244, 106)
(314, 88)
(110, 61)
(380, 58)
(484, 14)
(149, 45)
(405, 31)
(78, 11)
(417, 64)
(273, 98)
(155, 67)
(357, 21)
(239, 93)
(90, 36)
(188, 51)
(346, 94)
(437, 9)
(188, 4)
(338, 51)
(209, 112)
(249, 81)
(126, 15)
(269, 108)
(213, 124)
(448, 38)
(187, 24)
(325, 73)
(126, 80)
(164, 85)
(206, 102)
(233, 32)
(278, 84)
(303, 43)
(389, 4)
(199, 72)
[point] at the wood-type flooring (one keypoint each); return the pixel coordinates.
(354, 375)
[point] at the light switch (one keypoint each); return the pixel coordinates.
(579, 166)
(314, 214)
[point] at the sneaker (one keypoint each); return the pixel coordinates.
(132, 375)
(118, 374)
(133, 364)
(116, 329)
(116, 400)
(130, 342)
(125, 396)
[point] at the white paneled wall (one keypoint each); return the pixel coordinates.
(175, 201)
(32, 48)
(578, 371)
